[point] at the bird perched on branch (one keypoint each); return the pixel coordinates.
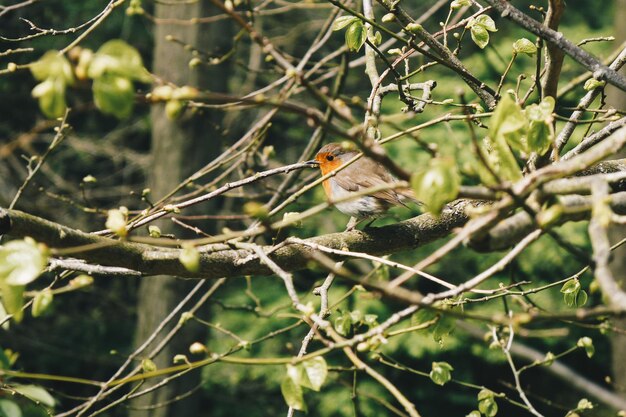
(362, 174)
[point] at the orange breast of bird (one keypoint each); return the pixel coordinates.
(327, 166)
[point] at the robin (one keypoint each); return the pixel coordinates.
(362, 174)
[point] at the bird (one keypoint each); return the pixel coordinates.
(362, 174)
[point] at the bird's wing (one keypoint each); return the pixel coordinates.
(367, 174)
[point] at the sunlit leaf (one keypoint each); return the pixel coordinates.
(441, 372)
(35, 393)
(41, 302)
(524, 46)
(571, 286)
(343, 21)
(540, 135)
(485, 21)
(22, 261)
(53, 65)
(480, 28)
(356, 34)
(507, 128)
(343, 324)
(438, 184)
(51, 96)
(316, 371)
(9, 408)
(114, 95)
(587, 344)
(190, 258)
(487, 403)
(13, 299)
(148, 365)
(592, 84)
(117, 58)
(480, 36)
(292, 393)
(457, 4)
(116, 222)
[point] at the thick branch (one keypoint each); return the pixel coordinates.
(554, 57)
(221, 261)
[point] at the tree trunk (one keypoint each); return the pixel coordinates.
(179, 147)
(617, 99)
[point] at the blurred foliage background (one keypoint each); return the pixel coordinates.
(89, 333)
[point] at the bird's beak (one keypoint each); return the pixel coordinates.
(312, 163)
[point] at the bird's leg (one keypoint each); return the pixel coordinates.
(352, 224)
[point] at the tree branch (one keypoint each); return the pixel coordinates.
(222, 261)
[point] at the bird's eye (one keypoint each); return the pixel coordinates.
(329, 157)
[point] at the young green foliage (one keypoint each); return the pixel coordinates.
(487, 403)
(356, 32)
(480, 28)
(309, 374)
(113, 68)
(438, 184)
(55, 73)
(573, 294)
(441, 373)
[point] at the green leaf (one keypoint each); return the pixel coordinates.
(569, 299)
(356, 34)
(473, 413)
(9, 408)
(487, 403)
(3, 314)
(377, 39)
(457, 4)
(587, 344)
(316, 371)
(584, 404)
(190, 258)
(480, 36)
(343, 324)
(41, 302)
(53, 65)
(549, 359)
(5, 363)
(343, 21)
(592, 84)
(480, 28)
(422, 316)
(148, 365)
(509, 124)
(36, 394)
(441, 372)
(117, 58)
(117, 220)
(581, 298)
(438, 184)
(443, 328)
(114, 95)
(507, 128)
(22, 261)
(524, 46)
(292, 393)
(51, 95)
(540, 134)
(485, 21)
(571, 286)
